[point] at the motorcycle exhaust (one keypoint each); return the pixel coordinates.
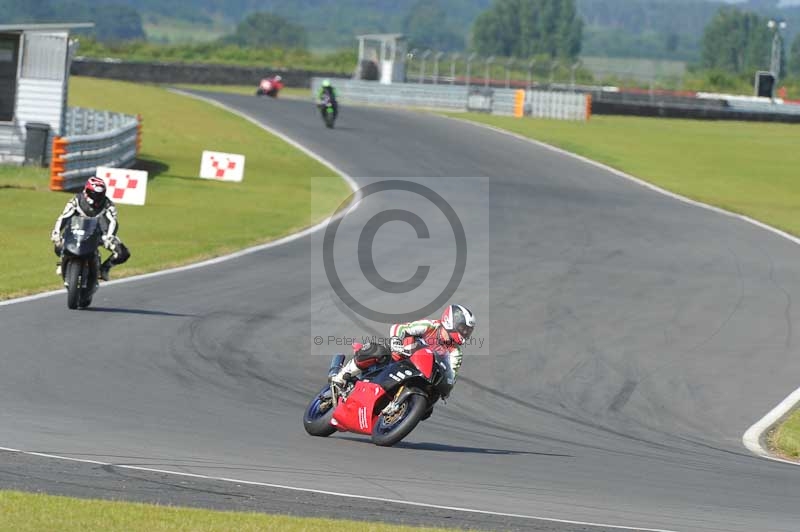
(336, 364)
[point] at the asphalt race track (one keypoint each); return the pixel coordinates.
(631, 339)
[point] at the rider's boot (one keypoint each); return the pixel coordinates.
(104, 269)
(348, 372)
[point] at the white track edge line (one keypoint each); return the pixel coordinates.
(752, 438)
(332, 493)
(295, 236)
(247, 251)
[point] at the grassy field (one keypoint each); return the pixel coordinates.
(744, 167)
(185, 219)
(22, 512)
(786, 438)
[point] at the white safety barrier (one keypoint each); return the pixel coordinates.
(93, 139)
(558, 105)
(544, 104)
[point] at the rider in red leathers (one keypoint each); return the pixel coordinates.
(445, 337)
(270, 86)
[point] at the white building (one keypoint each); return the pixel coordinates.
(34, 79)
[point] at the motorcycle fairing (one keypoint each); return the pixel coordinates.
(395, 374)
(81, 236)
(357, 412)
(424, 359)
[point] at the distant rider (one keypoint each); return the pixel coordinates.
(444, 337)
(270, 86)
(327, 90)
(93, 203)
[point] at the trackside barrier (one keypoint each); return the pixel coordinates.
(94, 138)
(519, 104)
(558, 105)
(511, 102)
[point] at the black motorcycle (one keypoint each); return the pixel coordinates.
(328, 111)
(80, 260)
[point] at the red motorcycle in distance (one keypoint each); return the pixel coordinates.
(270, 86)
(385, 402)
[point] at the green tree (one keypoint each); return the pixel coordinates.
(267, 30)
(525, 28)
(736, 42)
(116, 23)
(426, 26)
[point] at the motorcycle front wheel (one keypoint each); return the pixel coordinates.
(390, 429)
(318, 414)
(73, 283)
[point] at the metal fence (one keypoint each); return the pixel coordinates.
(557, 105)
(94, 138)
(399, 94)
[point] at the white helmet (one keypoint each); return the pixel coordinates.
(459, 323)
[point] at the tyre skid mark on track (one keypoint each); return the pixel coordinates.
(356, 199)
(754, 436)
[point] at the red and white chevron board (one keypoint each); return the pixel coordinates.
(124, 185)
(222, 166)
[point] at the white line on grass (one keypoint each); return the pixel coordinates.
(337, 494)
(752, 439)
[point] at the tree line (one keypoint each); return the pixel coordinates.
(732, 40)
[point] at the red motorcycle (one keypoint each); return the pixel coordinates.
(270, 86)
(386, 401)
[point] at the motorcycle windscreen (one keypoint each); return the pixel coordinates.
(356, 414)
(82, 236)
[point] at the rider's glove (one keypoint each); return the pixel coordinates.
(396, 345)
(109, 242)
(55, 236)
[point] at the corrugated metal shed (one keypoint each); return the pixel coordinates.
(40, 100)
(12, 143)
(41, 82)
(44, 55)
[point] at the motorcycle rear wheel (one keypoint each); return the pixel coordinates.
(387, 432)
(73, 283)
(318, 414)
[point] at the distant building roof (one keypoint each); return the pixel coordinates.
(46, 27)
(382, 36)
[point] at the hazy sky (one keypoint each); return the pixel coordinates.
(781, 3)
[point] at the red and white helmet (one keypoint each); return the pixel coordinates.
(94, 191)
(459, 323)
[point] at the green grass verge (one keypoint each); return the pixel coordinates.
(186, 219)
(786, 437)
(744, 167)
(23, 512)
(290, 92)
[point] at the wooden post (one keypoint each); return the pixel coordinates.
(139, 135)
(588, 106)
